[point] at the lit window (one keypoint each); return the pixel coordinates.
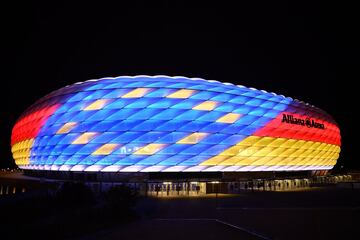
(84, 138)
(98, 104)
(150, 149)
(105, 149)
(229, 118)
(66, 127)
(206, 106)
(183, 93)
(193, 138)
(136, 93)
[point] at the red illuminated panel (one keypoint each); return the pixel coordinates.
(295, 126)
(29, 126)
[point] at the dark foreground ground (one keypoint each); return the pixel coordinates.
(313, 213)
(319, 213)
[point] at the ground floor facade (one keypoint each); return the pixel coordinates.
(186, 184)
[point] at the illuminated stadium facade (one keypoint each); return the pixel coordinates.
(167, 124)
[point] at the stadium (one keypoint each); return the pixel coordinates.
(172, 129)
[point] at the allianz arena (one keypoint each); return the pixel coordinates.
(172, 124)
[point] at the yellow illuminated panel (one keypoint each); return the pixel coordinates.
(233, 160)
(206, 106)
(257, 161)
(249, 151)
(98, 104)
(215, 160)
(105, 149)
(265, 151)
(298, 144)
(277, 142)
(287, 152)
(268, 151)
(182, 93)
(136, 93)
(233, 151)
(21, 151)
(289, 143)
(264, 141)
(249, 141)
(277, 161)
(229, 118)
(315, 145)
(298, 153)
(244, 161)
(193, 138)
(276, 152)
(150, 149)
(84, 138)
(66, 127)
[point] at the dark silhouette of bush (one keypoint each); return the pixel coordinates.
(74, 194)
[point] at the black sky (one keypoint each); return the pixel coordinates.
(309, 51)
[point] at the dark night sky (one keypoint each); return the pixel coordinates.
(305, 51)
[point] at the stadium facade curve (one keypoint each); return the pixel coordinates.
(172, 124)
